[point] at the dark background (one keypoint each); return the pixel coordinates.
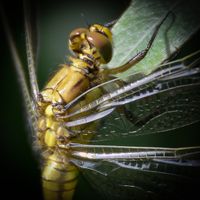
(20, 175)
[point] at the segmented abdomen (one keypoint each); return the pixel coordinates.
(59, 179)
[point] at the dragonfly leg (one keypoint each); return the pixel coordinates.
(59, 109)
(140, 55)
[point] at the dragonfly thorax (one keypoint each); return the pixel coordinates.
(92, 47)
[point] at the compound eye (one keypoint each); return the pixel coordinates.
(75, 39)
(77, 32)
(101, 29)
(102, 45)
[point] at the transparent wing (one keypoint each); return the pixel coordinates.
(31, 47)
(121, 172)
(164, 100)
(30, 14)
(18, 64)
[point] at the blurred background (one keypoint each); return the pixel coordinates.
(20, 172)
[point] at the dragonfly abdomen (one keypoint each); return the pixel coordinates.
(59, 178)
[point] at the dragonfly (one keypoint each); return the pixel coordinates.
(115, 109)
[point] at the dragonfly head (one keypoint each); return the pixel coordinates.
(95, 41)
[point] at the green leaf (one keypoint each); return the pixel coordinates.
(135, 27)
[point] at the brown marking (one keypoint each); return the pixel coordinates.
(77, 84)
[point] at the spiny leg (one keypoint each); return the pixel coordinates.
(140, 55)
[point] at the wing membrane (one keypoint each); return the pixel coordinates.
(29, 104)
(164, 100)
(139, 172)
(135, 83)
(31, 47)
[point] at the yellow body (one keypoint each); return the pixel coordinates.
(59, 176)
(65, 85)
